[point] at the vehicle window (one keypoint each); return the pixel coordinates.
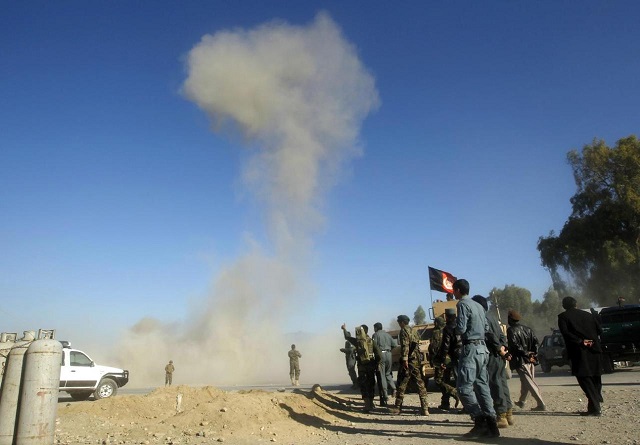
(79, 359)
(558, 341)
(621, 317)
(632, 317)
(547, 341)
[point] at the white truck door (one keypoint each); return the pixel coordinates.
(77, 371)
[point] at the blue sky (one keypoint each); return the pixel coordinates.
(119, 202)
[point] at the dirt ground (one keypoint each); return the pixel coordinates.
(332, 416)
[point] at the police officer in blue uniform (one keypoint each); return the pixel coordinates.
(473, 380)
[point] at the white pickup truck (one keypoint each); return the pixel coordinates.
(80, 376)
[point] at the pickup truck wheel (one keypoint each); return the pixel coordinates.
(106, 388)
(84, 395)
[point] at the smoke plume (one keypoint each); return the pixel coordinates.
(297, 95)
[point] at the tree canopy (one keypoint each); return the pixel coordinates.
(511, 297)
(541, 316)
(598, 249)
(419, 316)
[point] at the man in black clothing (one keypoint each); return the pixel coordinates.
(581, 332)
(523, 346)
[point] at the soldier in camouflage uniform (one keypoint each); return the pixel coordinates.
(447, 360)
(294, 365)
(366, 366)
(436, 362)
(168, 373)
(410, 366)
(350, 359)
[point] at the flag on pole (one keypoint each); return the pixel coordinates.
(440, 280)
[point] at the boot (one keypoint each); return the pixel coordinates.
(297, 382)
(492, 427)
(383, 401)
(444, 403)
(293, 381)
(397, 408)
(502, 421)
(479, 429)
(424, 407)
(509, 417)
(455, 394)
(368, 404)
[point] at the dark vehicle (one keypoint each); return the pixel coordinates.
(620, 334)
(552, 351)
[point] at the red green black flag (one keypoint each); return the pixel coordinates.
(440, 280)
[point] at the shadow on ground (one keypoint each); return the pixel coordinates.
(391, 427)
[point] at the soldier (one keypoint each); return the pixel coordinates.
(294, 365)
(350, 359)
(523, 346)
(441, 362)
(410, 366)
(498, 355)
(473, 380)
(385, 342)
(368, 358)
(168, 373)
(448, 356)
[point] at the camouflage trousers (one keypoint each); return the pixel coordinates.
(294, 370)
(446, 380)
(367, 379)
(404, 376)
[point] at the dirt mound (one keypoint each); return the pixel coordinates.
(185, 414)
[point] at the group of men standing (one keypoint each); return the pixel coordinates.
(376, 364)
(383, 373)
(469, 352)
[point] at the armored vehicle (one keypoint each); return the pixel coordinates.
(620, 334)
(425, 332)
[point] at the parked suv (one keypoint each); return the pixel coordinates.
(81, 377)
(552, 351)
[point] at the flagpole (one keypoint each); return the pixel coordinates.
(431, 307)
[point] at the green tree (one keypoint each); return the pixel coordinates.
(511, 297)
(419, 316)
(598, 249)
(545, 313)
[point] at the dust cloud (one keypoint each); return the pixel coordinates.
(296, 95)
